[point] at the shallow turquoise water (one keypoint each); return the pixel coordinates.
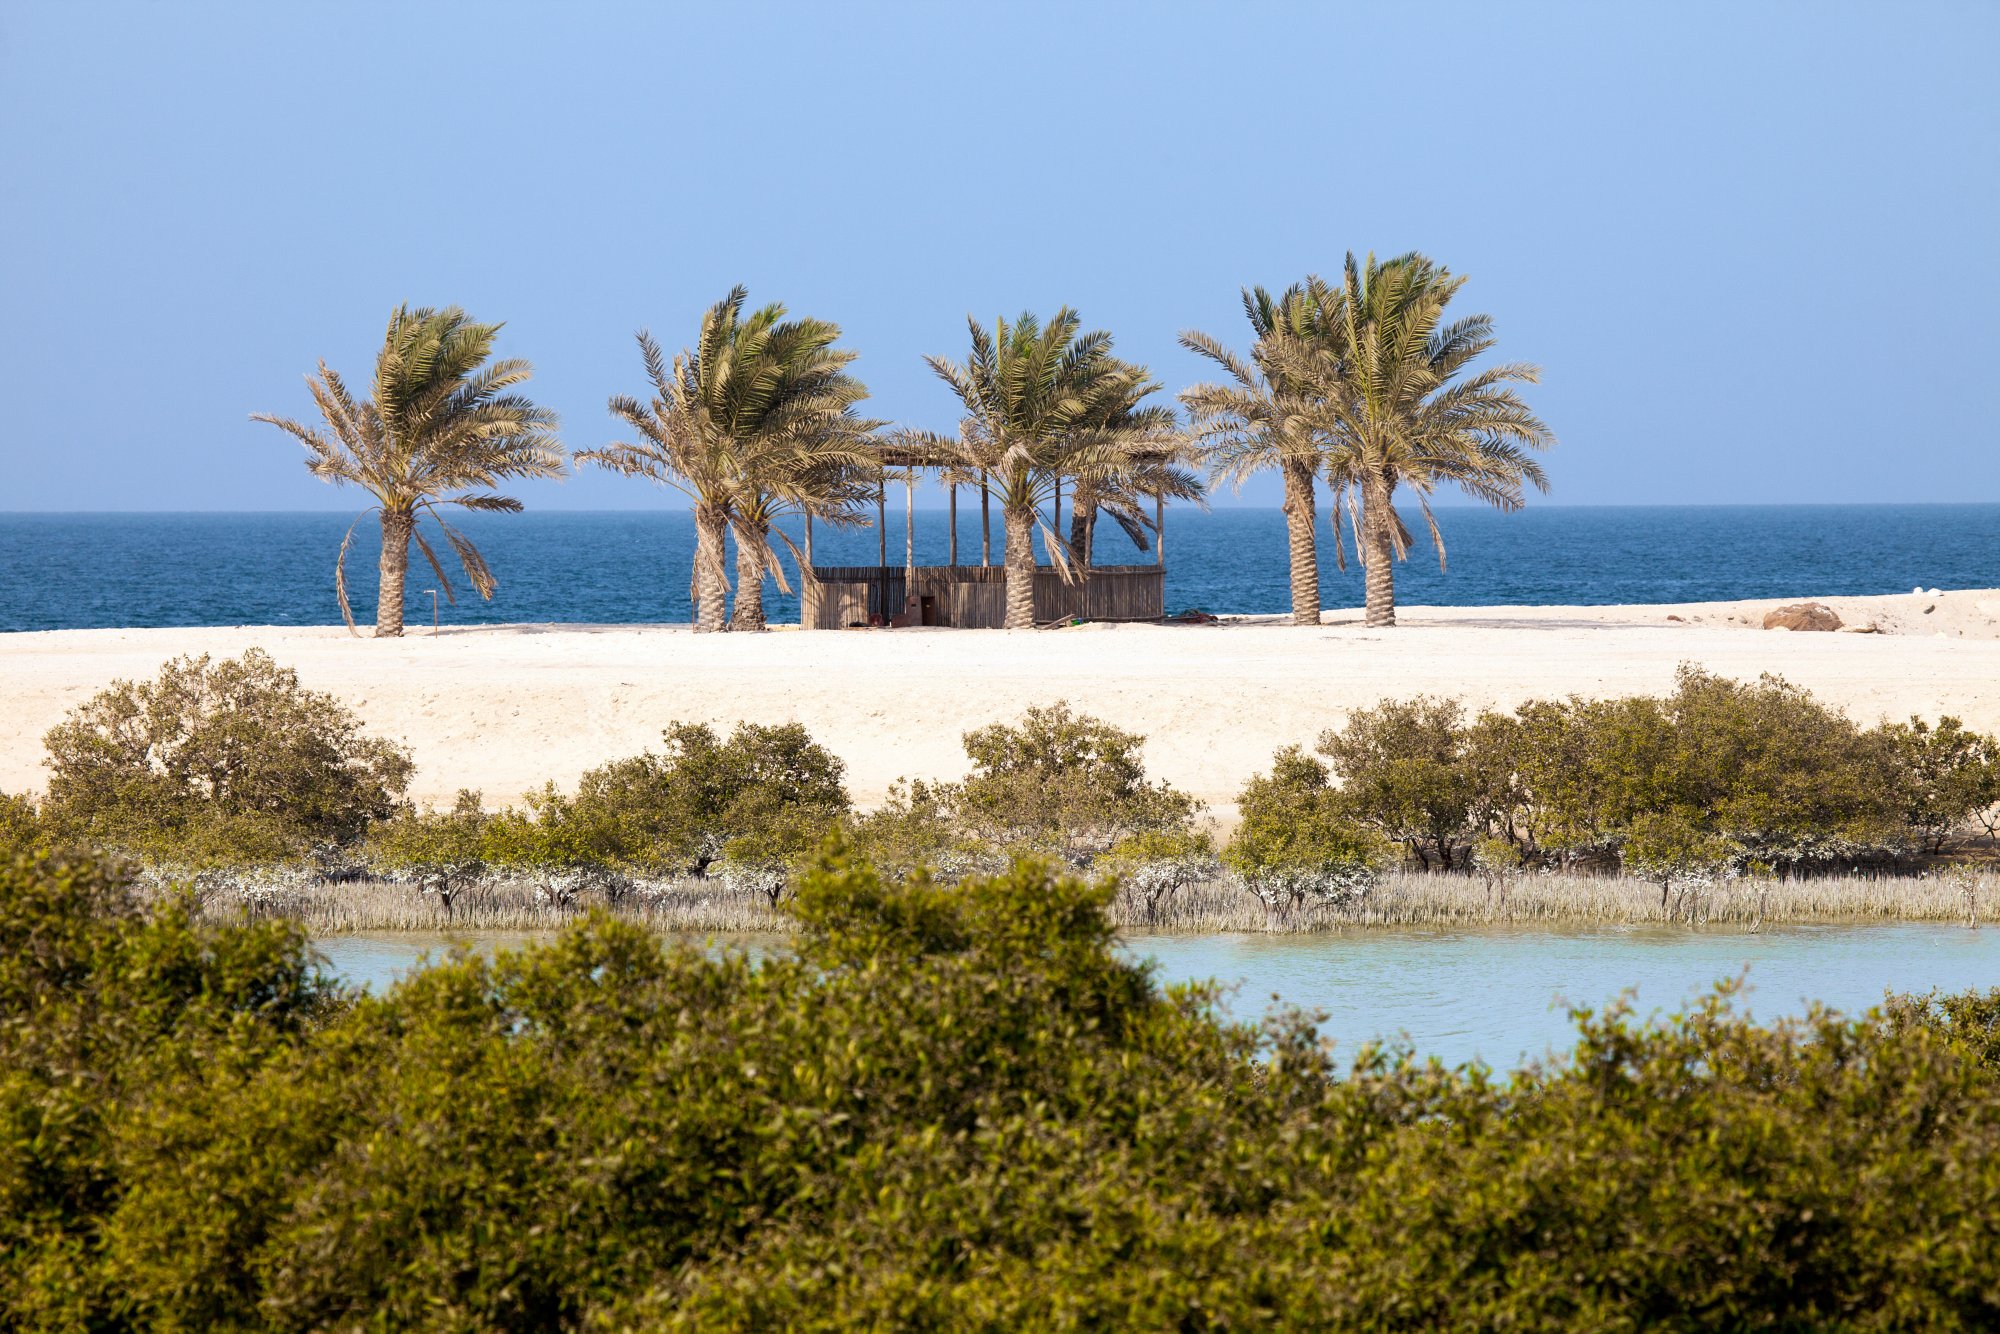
(1495, 994)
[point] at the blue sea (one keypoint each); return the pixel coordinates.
(83, 570)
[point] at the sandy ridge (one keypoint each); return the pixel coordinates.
(503, 708)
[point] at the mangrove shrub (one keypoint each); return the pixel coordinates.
(218, 763)
(945, 1108)
(1063, 783)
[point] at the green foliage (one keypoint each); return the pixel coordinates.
(1404, 772)
(949, 1108)
(1969, 1021)
(1718, 775)
(1295, 842)
(1156, 865)
(445, 424)
(918, 827)
(20, 826)
(443, 851)
(218, 764)
(676, 812)
(1775, 772)
(108, 1014)
(1950, 779)
(1064, 783)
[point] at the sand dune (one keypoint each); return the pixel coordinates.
(503, 708)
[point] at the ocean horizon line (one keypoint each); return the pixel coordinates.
(1181, 507)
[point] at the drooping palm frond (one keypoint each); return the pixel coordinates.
(1048, 406)
(1390, 406)
(756, 419)
(1263, 417)
(441, 419)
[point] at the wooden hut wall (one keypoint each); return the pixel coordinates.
(975, 596)
(1111, 593)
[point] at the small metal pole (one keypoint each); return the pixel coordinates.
(985, 521)
(1160, 528)
(434, 609)
(882, 521)
(954, 523)
(809, 540)
(910, 524)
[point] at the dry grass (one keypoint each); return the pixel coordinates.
(672, 907)
(1402, 899)
(1414, 899)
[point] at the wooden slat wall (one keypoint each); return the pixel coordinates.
(975, 596)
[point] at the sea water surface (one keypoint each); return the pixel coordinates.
(82, 570)
(1495, 994)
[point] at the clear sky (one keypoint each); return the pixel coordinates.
(1754, 245)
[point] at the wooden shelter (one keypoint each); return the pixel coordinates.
(966, 595)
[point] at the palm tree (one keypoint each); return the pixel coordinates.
(1037, 400)
(439, 421)
(1383, 397)
(830, 483)
(756, 406)
(1258, 420)
(1147, 464)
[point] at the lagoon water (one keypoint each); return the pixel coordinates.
(85, 570)
(1495, 994)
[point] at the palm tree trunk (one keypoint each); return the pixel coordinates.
(1020, 556)
(397, 525)
(1378, 521)
(711, 576)
(749, 613)
(1303, 539)
(1082, 519)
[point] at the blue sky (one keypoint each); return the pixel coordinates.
(1753, 245)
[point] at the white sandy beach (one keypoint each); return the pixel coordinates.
(504, 708)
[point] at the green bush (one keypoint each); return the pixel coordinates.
(1950, 779)
(918, 827)
(1404, 771)
(218, 763)
(546, 844)
(1296, 844)
(949, 1108)
(20, 826)
(1779, 775)
(1065, 784)
(1719, 774)
(444, 852)
(675, 813)
(1156, 866)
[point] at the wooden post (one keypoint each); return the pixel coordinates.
(910, 528)
(1160, 528)
(985, 521)
(809, 541)
(954, 524)
(882, 521)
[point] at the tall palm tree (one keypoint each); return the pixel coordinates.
(1258, 419)
(1036, 399)
(757, 404)
(828, 482)
(440, 420)
(1389, 408)
(1148, 461)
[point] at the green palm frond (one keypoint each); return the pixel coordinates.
(756, 419)
(441, 426)
(1047, 405)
